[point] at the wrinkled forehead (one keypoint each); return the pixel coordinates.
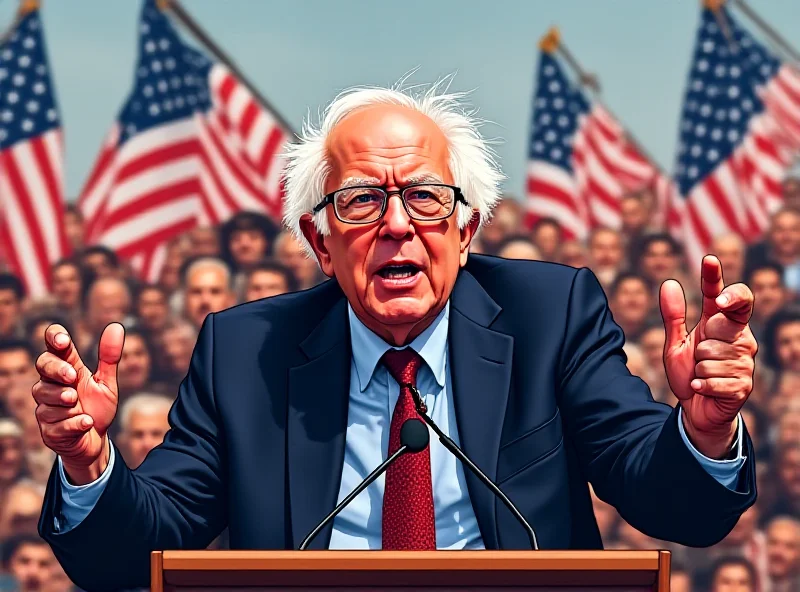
(387, 144)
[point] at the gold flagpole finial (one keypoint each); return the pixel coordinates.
(549, 43)
(163, 5)
(27, 6)
(714, 5)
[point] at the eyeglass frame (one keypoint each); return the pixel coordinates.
(328, 199)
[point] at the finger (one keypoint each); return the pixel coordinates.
(109, 354)
(51, 367)
(736, 301)
(673, 311)
(48, 393)
(733, 389)
(723, 368)
(711, 284)
(71, 427)
(59, 342)
(714, 349)
(721, 328)
(55, 414)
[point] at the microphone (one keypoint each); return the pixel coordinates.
(414, 437)
(422, 410)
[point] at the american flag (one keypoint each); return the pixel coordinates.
(191, 146)
(32, 233)
(740, 130)
(581, 161)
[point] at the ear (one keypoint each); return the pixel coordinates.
(466, 235)
(317, 242)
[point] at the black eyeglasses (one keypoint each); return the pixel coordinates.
(426, 202)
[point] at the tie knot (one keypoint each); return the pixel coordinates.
(403, 365)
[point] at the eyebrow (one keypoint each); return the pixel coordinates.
(424, 178)
(374, 181)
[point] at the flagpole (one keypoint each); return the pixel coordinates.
(193, 26)
(552, 41)
(767, 29)
(25, 6)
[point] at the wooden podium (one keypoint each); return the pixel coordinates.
(554, 571)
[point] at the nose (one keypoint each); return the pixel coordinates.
(396, 221)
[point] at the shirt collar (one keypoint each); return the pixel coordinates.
(368, 348)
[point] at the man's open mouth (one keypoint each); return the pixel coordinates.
(398, 272)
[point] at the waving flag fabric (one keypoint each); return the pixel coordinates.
(191, 146)
(581, 162)
(32, 233)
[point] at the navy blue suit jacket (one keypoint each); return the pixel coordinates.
(544, 404)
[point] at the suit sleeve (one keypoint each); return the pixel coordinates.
(175, 500)
(629, 445)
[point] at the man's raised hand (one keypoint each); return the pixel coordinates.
(75, 407)
(710, 368)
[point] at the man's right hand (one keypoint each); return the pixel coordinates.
(75, 407)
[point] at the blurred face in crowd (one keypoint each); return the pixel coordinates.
(32, 565)
(730, 250)
(520, 250)
(16, 365)
(783, 548)
(547, 238)
(108, 301)
(67, 282)
(170, 278)
(21, 510)
(248, 246)
(207, 291)
(9, 311)
(11, 459)
(732, 578)
(152, 309)
(263, 284)
(22, 407)
(506, 220)
(605, 249)
(397, 272)
(73, 227)
(659, 262)
(289, 252)
(784, 235)
(58, 581)
(573, 254)
(769, 293)
(144, 432)
(631, 303)
(204, 242)
(100, 263)
(789, 472)
(791, 192)
(633, 215)
(787, 345)
(133, 371)
(177, 343)
(680, 581)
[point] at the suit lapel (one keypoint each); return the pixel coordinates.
(480, 361)
(316, 425)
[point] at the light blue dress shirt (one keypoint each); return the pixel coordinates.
(373, 395)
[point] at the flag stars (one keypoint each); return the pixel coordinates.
(18, 80)
(150, 47)
(554, 86)
(154, 109)
(7, 116)
(52, 115)
(7, 54)
(12, 97)
(156, 66)
(32, 106)
(27, 125)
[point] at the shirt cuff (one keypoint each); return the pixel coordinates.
(79, 500)
(724, 471)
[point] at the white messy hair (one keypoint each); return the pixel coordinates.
(473, 162)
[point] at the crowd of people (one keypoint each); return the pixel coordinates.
(250, 257)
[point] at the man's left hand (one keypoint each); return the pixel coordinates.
(710, 369)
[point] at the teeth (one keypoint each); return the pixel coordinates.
(399, 271)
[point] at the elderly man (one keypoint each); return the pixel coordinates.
(208, 286)
(291, 401)
(143, 419)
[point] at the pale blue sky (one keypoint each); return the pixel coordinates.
(300, 53)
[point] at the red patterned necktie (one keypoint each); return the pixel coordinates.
(409, 522)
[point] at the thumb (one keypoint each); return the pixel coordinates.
(673, 311)
(109, 354)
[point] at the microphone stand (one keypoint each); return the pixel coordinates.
(422, 410)
(364, 484)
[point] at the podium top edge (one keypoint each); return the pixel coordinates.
(410, 560)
